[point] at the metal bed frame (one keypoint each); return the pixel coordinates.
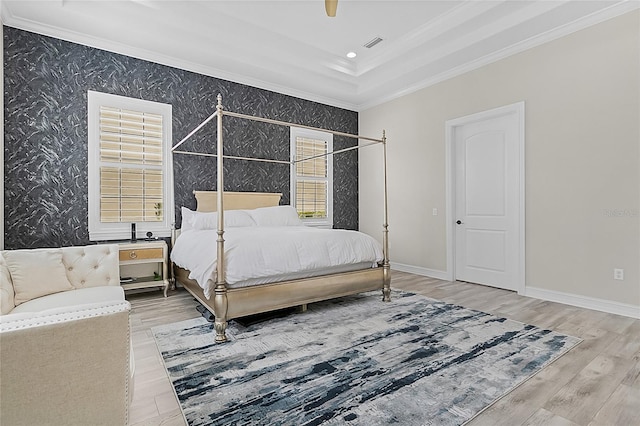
(229, 303)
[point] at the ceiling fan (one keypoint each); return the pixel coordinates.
(330, 6)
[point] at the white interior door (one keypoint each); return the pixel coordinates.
(487, 200)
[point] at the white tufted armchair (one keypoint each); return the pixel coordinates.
(65, 348)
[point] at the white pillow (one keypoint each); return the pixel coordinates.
(276, 216)
(187, 219)
(232, 219)
(238, 218)
(36, 273)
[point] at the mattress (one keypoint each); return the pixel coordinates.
(260, 255)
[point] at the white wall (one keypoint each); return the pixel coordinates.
(582, 95)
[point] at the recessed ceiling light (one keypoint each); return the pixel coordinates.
(351, 55)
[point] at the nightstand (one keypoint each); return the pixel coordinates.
(144, 264)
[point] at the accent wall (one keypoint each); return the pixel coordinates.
(45, 120)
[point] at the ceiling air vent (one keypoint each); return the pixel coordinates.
(372, 43)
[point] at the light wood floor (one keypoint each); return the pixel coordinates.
(597, 383)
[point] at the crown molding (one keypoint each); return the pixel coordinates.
(456, 16)
(357, 100)
(611, 12)
(151, 56)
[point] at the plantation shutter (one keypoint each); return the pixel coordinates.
(130, 166)
(311, 178)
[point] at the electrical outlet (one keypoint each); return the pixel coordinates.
(618, 274)
(435, 212)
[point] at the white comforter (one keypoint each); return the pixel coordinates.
(257, 253)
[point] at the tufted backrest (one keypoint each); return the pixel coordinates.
(92, 266)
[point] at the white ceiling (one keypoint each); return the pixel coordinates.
(292, 46)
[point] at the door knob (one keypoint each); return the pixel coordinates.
(459, 222)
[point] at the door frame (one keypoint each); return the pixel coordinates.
(450, 170)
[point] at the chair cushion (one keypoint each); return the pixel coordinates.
(72, 298)
(36, 273)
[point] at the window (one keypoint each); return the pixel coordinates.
(130, 167)
(312, 180)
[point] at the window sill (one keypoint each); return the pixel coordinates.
(126, 235)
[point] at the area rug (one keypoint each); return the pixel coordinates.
(354, 360)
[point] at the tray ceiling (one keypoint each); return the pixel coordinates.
(292, 46)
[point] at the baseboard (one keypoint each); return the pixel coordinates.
(602, 305)
(584, 302)
(418, 270)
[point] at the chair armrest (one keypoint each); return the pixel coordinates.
(67, 366)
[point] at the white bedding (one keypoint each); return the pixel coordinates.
(259, 255)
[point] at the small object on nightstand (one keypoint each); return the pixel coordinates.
(125, 280)
(150, 236)
(133, 233)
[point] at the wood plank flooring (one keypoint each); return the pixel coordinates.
(595, 384)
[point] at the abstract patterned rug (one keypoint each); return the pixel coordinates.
(355, 360)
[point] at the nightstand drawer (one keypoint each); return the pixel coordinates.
(140, 254)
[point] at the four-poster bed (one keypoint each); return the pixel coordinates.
(230, 300)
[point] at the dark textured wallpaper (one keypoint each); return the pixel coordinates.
(46, 82)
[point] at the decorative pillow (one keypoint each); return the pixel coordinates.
(205, 220)
(276, 216)
(232, 218)
(36, 273)
(187, 219)
(7, 293)
(238, 218)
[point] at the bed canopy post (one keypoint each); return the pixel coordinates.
(220, 301)
(386, 267)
